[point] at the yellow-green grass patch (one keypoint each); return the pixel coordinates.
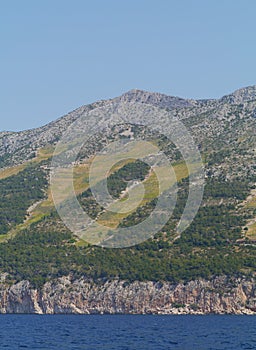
(12, 171)
(251, 233)
(42, 154)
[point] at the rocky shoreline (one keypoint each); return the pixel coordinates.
(221, 295)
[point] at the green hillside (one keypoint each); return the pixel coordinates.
(46, 249)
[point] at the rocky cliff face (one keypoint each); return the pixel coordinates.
(221, 295)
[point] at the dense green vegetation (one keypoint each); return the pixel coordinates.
(41, 255)
(117, 181)
(217, 188)
(17, 193)
(214, 225)
(208, 247)
(89, 203)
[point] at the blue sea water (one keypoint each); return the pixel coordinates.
(127, 332)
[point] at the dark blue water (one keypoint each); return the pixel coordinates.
(127, 332)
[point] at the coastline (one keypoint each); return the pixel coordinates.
(221, 295)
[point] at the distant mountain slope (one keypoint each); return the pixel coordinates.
(38, 247)
(19, 146)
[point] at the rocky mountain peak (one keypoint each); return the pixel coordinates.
(156, 99)
(242, 95)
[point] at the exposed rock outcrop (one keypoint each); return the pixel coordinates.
(220, 296)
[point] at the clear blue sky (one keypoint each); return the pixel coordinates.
(57, 55)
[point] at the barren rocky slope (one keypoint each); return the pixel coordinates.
(208, 121)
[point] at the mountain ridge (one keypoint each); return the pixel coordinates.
(144, 96)
(13, 141)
